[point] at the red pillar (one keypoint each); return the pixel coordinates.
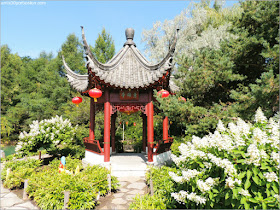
(144, 136)
(165, 128)
(92, 119)
(150, 123)
(107, 117)
(113, 131)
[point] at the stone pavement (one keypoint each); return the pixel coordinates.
(10, 200)
(128, 189)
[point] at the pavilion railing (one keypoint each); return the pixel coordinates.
(93, 146)
(162, 146)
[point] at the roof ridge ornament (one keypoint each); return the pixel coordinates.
(129, 33)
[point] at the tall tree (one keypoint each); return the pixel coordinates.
(232, 77)
(104, 48)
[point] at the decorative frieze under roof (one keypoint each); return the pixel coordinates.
(128, 69)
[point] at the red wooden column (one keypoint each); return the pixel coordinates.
(150, 122)
(165, 128)
(92, 119)
(107, 117)
(113, 131)
(144, 136)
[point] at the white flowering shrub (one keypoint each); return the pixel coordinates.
(235, 167)
(56, 135)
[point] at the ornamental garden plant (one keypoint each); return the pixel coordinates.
(56, 135)
(236, 167)
(46, 185)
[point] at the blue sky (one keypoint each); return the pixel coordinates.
(31, 29)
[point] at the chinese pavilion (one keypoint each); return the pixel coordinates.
(127, 82)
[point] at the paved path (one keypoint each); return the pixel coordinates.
(129, 188)
(10, 200)
(128, 164)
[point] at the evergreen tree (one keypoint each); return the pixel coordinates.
(104, 48)
(232, 79)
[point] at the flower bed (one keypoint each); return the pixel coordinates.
(235, 167)
(46, 186)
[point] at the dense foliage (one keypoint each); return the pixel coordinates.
(228, 64)
(19, 170)
(163, 186)
(55, 135)
(46, 185)
(37, 89)
(235, 167)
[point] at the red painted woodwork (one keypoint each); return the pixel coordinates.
(129, 109)
(95, 93)
(144, 136)
(165, 128)
(93, 146)
(113, 131)
(150, 122)
(76, 100)
(107, 110)
(92, 120)
(163, 146)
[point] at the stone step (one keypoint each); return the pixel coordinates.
(124, 173)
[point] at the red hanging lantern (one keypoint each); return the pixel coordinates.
(76, 100)
(181, 98)
(95, 93)
(163, 93)
(134, 124)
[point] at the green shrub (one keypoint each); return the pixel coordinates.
(236, 167)
(47, 185)
(163, 187)
(56, 135)
(20, 170)
(148, 202)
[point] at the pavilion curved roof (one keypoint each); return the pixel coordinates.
(127, 69)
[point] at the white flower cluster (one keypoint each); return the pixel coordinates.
(254, 155)
(276, 158)
(262, 141)
(186, 175)
(49, 127)
(207, 185)
(271, 177)
(259, 117)
(183, 195)
(244, 193)
(277, 197)
(223, 163)
(260, 137)
(230, 182)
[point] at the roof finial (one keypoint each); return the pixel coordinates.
(129, 33)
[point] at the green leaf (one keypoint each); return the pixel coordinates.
(247, 184)
(249, 174)
(264, 205)
(247, 205)
(256, 180)
(241, 175)
(276, 190)
(255, 171)
(227, 195)
(253, 200)
(235, 192)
